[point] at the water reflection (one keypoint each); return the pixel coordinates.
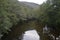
(31, 35)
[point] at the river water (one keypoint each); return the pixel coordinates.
(31, 35)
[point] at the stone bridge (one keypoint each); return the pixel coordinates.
(23, 26)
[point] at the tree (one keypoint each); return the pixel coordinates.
(12, 12)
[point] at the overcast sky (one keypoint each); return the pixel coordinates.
(34, 1)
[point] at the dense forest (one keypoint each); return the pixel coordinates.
(18, 15)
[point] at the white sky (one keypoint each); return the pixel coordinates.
(34, 1)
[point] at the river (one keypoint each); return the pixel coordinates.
(31, 35)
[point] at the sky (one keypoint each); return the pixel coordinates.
(31, 35)
(34, 1)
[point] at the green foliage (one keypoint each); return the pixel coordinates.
(49, 14)
(7, 16)
(53, 12)
(11, 12)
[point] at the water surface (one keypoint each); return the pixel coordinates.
(31, 35)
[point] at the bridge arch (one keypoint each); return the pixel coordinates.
(21, 27)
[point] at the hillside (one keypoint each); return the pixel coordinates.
(29, 4)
